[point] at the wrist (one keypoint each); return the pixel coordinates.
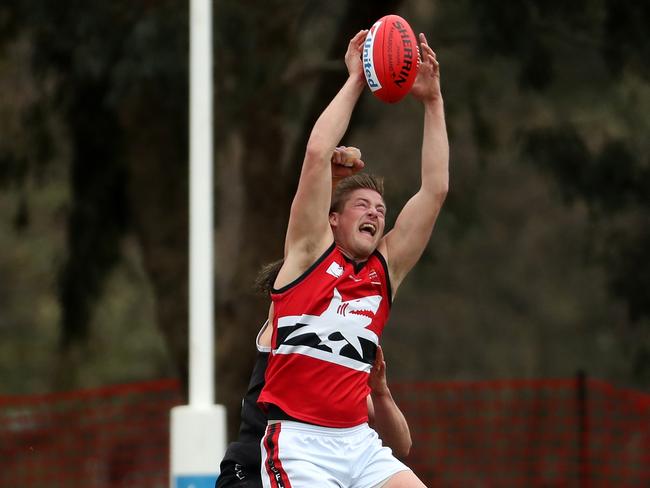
(383, 393)
(433, 102)
(358, 80)
(434, 107)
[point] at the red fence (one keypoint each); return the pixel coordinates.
(543, 433)
(534, 433)
(111, 437)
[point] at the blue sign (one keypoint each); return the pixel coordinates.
(201, 481)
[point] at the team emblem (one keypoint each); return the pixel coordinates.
(339, 335)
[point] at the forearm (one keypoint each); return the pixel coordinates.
(390, 424)
(332, 124)
(435, 150)
(314, 187)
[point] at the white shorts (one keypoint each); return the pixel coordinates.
(301, 455)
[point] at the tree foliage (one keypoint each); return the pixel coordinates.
(561, 86)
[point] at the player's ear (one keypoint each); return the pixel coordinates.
(334, 219)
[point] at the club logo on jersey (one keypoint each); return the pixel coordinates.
(339, 335)
(374, 277)
(335, 269)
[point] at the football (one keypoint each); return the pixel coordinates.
(390, 58)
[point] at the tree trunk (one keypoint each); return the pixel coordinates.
(157, 148)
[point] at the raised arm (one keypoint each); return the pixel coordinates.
(384, 414)
(308, 231)
(404, 244)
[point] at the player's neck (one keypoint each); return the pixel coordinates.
(351, 257)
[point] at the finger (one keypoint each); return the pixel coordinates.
(427, 51)
(351, 153)
(362, 40)
(358, 165)
(339, 171)
(435, 64)
(344, 162)
(375, 368)
(359, 36)
(380, 354)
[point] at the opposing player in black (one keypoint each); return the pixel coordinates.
(240, 466)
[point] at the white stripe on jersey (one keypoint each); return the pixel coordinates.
(324, 356)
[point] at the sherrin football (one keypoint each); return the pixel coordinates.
(390, 58)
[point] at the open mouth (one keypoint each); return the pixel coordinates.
(368, 228)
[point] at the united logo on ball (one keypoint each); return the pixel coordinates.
(390, 58)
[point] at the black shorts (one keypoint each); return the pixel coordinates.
(240, 467)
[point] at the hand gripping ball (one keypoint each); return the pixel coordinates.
(390, 58)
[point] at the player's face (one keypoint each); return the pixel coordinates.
(360, 225)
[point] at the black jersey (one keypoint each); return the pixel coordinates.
(241, 464)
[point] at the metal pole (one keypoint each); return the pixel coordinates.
(201, 380)
(198, 430)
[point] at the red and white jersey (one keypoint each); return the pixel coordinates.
(326, 328)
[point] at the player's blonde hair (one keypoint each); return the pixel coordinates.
(355, 182)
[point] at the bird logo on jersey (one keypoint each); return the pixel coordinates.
(339, 335)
